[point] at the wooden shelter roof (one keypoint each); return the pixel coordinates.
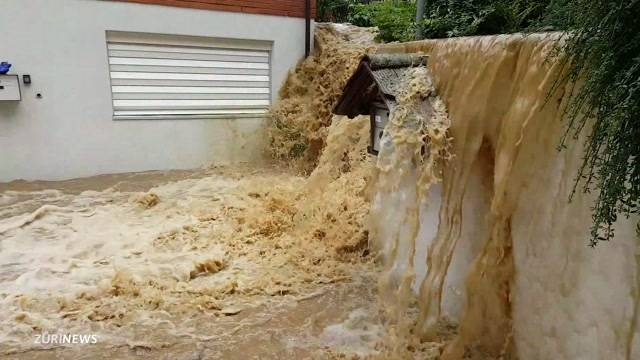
(376, 79)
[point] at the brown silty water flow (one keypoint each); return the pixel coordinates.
(230, 257)
(528, 272)
(226, 262)
(333, 253)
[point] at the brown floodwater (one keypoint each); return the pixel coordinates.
(203, 264)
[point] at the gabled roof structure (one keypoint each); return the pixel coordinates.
(377, 79)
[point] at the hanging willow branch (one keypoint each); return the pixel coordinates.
(602, 53)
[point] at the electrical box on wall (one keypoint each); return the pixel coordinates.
(379, 117)
(9, 88)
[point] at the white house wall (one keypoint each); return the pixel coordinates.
(70, 132)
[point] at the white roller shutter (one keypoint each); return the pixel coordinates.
(169, 81)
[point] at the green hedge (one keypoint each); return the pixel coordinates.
(394, 19)
(443, 18)
(450, 18)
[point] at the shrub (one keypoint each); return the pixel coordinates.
(394, 19)
(335, 10)
(450, 18)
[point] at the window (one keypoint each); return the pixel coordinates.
(181, 77)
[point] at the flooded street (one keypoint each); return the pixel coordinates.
(213, 263)
(230, 262)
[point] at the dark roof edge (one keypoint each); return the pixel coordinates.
(341, 107)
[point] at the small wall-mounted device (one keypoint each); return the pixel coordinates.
(26, 79)
(9, 88)
(379, 118)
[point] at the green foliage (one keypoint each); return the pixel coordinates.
(602, 53)
(450, 18)
(557, 16)
(443, 18)
(394, 19)
(334, 10)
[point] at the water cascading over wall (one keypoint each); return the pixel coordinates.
(499, 248)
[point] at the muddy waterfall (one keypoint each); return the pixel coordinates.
(482, 230)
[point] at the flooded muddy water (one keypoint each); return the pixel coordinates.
(181, 264)
(233, 262)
